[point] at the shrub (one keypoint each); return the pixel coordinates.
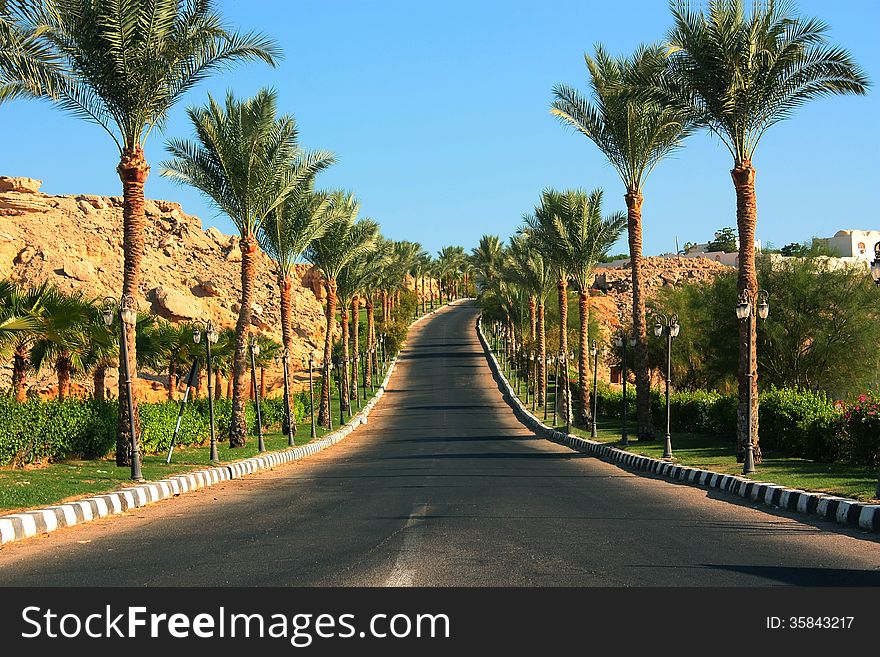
(862, 420)
(802, 422)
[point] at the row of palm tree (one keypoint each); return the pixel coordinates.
(124, 66)
(724, 69)
(43, 328)
(561, 242)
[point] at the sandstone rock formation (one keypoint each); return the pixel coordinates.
(187, 272)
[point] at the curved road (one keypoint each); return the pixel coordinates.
(445, 487)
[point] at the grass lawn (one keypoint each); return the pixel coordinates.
(70, 479)
(711, 452)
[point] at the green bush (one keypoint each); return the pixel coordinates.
(862, 420)
(802, 422)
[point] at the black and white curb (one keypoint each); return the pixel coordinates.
(844, 511)
(23, 525)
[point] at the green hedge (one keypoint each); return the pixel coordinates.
(36, 430)
(799, 423)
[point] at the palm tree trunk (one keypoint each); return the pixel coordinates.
(229, 385)
(238, 425)
(218, 385)
(285, 285)
(423, 295)
(562, 289)
(99, 377)
(542, 346)
(355, 342)
(62, 371)
(584, 355)
(172, 380)
(262, 382)
(644, 421)
(532, 317)
(746, 220)
(133, 171)
(371, 339)
(343, 375)
(19, 372)
(324, 411)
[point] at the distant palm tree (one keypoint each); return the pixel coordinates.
(344, 240)
(738, 73)
(635, 135)
(527, 266)
(487, 258)
(573, 227)
(175, 345)
(287, 233)
(374, 263)
(247, 161)
(123, 65)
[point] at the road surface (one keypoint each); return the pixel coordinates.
(444, 487)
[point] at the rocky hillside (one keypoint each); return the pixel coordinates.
(187, 272)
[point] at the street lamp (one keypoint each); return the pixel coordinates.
(308, 360)
(125, 307)
(671, 327)
(533, 366)
(746, 310)
(255, 351)
(622, 341)
(595, 352)
(289, 418)
(329, 365)
(211, 337)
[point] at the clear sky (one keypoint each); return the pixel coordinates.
(438, 114)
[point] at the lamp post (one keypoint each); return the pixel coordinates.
(746, 310)
(289, 418)
(670, 327)
(125, 308)
(554, 362)
(329, 379)
(622, 341)
(568, 409)
(255, 351)
(533, 366)
(595, 352)
(308, 360)
(211, 337)
(340, 372)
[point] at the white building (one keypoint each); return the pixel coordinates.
(850, 243)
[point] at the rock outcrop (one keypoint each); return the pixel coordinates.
(187, 272)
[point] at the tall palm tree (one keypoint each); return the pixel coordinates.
(123, 65)
(286, 234)
(527, 266)
(738, 73)
(345, 239)
(579, 236)
(634, 135)
(246, 159)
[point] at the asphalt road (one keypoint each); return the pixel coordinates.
(445, 487)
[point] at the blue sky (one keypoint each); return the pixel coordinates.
(438, 114)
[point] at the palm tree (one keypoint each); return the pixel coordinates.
(123, 65)
(573, 227)
(22, 316)
(374, 264)
(738, 74)
(634, 135)
(27, 66)
(343, 241)
(287, 233)
(64, 339)
(247, 161)
(487, 258)
(175, 346)
(528, 267)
